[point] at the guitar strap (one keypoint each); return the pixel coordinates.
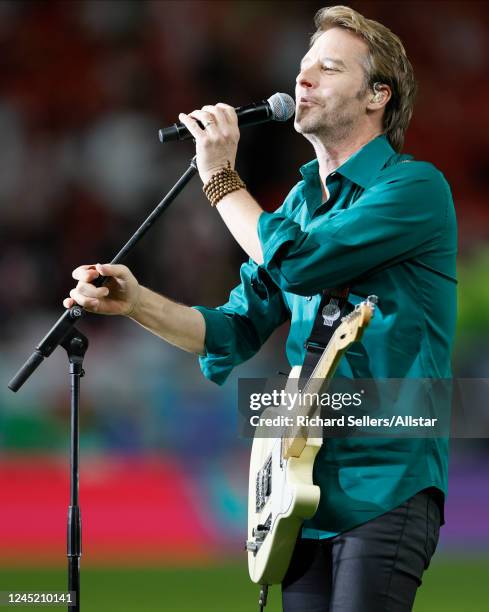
(333, 306)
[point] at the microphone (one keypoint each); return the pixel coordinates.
(278, 107)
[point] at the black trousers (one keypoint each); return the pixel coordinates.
(375, 567)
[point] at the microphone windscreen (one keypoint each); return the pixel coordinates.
(282, 106)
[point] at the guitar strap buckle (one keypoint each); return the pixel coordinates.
(333, 307)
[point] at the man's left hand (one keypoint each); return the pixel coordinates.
(217, 143)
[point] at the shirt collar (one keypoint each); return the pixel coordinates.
(362, 167)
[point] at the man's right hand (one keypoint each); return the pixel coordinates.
(118, 296)
(123, 295)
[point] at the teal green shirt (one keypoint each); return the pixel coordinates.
(389, 229)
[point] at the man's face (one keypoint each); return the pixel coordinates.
(331, 96)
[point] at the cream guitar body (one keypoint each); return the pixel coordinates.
(281, 489)
(281, 495)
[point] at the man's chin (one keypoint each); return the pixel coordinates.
(306, 127)
(298, 127)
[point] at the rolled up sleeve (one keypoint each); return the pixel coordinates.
(396, 219)
(237, 330)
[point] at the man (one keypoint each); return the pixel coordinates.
(364, 217)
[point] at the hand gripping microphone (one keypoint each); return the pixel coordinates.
(278, 107)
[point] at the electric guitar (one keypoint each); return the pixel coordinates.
(281, 490)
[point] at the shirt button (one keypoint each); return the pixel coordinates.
(309, 298)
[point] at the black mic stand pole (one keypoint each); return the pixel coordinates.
(65, 334)
(75, 345)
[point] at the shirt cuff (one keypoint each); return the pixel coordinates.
(217, 362)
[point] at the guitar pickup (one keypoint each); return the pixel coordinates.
(263, 485)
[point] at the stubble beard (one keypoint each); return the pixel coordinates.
(330, 126)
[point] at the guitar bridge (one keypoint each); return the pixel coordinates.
(263, 484)
(259, 534)
(260, 531)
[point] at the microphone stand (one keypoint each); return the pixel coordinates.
(64, 333)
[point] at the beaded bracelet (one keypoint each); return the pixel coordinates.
(221, 183)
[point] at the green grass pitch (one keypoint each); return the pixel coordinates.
(449, 586)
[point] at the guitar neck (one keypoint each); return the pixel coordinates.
(323, 372)
(295, 438)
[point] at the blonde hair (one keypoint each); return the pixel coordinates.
(386, 63)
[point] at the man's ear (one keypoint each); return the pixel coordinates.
(381, 95)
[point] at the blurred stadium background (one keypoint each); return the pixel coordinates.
(84, 87)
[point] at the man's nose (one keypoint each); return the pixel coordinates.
(305, 78)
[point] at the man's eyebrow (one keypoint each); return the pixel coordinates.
(332, 60)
